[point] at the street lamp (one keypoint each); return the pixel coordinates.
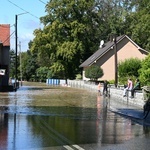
(16, 45)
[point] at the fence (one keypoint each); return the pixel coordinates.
(55, 81)
(52, 81)
(82, 84)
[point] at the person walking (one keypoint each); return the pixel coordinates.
(105, 88)
(136, 87)
(128, 88)
(99, 88)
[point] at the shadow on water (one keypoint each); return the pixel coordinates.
(37, 117)
(37, 88)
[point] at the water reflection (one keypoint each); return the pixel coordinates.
(26, 122)
(3, 130)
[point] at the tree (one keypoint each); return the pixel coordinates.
(70, 35)
(139, 26)
(43, 73)
(93, 72)
(145, 71)
(129, 68)
(12, 70)
(29, 65)
(72, 32)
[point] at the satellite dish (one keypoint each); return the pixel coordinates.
(101, 44)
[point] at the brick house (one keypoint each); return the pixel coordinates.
(104, 56)
(4, 55)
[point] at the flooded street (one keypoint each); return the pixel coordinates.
(41, 117)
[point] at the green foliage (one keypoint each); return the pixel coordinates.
(29, 65)
(58, 69)
(70, 29)
(145, 71)
(139, 24)
(70, 35)
(12, 72)
(111, 81)
(123, 80)
(73, 29)
(43, 73)
(78, 77)
(49, 74)
(93, 72)
(129, 67)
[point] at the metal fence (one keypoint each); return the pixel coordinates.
(82, 84)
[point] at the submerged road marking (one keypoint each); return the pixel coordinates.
(68, 147)
(78, 147)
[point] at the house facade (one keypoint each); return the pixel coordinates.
(105, 56)
(4, 55)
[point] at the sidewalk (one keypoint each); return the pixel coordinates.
(128, 110)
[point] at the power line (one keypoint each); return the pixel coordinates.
(3, 26)
(22, 9)
(8, 37)
(42, 2)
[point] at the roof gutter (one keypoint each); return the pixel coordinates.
(102, 54)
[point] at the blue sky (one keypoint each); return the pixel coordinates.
(27, 23)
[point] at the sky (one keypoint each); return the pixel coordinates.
(26, 23)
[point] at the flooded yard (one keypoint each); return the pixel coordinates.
(42, 117)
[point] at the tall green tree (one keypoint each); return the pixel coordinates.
(43, 73)
(139, 26)
(72, 32)
(29, 66)
(70, 35)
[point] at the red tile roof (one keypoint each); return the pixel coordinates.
(5, 34)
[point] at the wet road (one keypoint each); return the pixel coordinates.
(41, 117)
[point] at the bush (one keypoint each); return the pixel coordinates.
(94, 72)
(78, 77)
(128, 69)
(145, 71)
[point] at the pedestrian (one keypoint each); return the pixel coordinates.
(105, 84)
(99, 88)
(137, 86)
(128, 88)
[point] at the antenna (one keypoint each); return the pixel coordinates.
(101, 43)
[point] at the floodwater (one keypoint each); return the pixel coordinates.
(41, 117)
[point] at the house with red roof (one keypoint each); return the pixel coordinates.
(125, 47)
(4, 56)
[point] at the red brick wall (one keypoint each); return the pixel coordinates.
(5, 34)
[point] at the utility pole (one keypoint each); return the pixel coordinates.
(20, 63)
(115, 60)
(16, 45)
